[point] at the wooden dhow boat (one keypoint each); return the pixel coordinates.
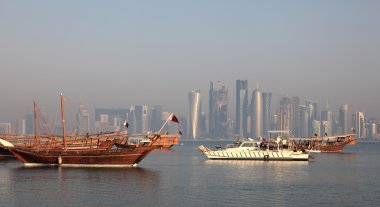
(254, 150)
(323, 143)
(113, 156)
(69, 153)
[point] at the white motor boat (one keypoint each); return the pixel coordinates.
(255, 150)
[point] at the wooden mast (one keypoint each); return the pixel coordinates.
(63, 123)
(35, 123)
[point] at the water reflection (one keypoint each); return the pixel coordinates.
(78, 186)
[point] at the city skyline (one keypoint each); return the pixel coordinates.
(300, 117)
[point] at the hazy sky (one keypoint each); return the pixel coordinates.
(120, 53)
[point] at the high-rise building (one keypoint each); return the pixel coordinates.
(230, 127)
(218, 100)
(105, 119)
(267, 97)
(275, 123)
(316, 128)
(202, 125)
(195, 112)
(21, 126)
(138, 119)
(183, 126)
(29, 123)
(295, 116)
(327, 121)
(285, 114)
(343, 119)
(83, 118)
(360, 125)
(257, 114)
(373, 128)
(5, 128)
(304, 121)
(155, 118)
(312, 110)
(241, 124)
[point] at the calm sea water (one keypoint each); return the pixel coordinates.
(183, 177)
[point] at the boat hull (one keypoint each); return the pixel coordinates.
(95, 158)
(166, 141)
(324, 144)
(5, 152)
(282, 155)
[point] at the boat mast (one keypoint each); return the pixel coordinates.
(63, 123)
(35, 123)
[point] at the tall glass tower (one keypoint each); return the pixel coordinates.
(218, 100)
(257, 114)
(304, 121)
(266, 112)
(360, 125)
(195, 112)
(241, 107)
(83, 118)
(327, 120)
(285, 119)
(343, 119)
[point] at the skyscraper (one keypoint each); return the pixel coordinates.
(83, 118)
(195, 112)
(218, 97)
(312, 110)
(304, 121)
(266, 112)
(285, 115)
(241, 107)
(316, 128)
(155, 118)
(138, 119)
(257, 114)
(29, 118)
(295, 116)
(107, 119)
(5, 128)
(275, 123)
(343, 119)
(360, 125)
(373, 128)
(183, 126)
(327, 121)
(21, 126)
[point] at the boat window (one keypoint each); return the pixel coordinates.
(230, 146)
(247, 145)
(256, 145)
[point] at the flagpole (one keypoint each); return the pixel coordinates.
(165, 123)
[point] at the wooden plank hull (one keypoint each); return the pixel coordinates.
(97, 157)
(167, 141)
(324, 144)
(331, 148)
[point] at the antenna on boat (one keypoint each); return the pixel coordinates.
(63, 123)
(35, 122)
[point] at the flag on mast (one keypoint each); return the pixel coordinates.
(173, 118)
(126, 124)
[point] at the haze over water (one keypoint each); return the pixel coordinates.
(183, 177)
(121, 53)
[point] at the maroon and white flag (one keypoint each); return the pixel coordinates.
(173, 118)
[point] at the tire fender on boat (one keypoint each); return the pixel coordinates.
(266, 157)
(59, 159)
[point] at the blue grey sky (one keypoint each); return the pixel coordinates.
(120, 53)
